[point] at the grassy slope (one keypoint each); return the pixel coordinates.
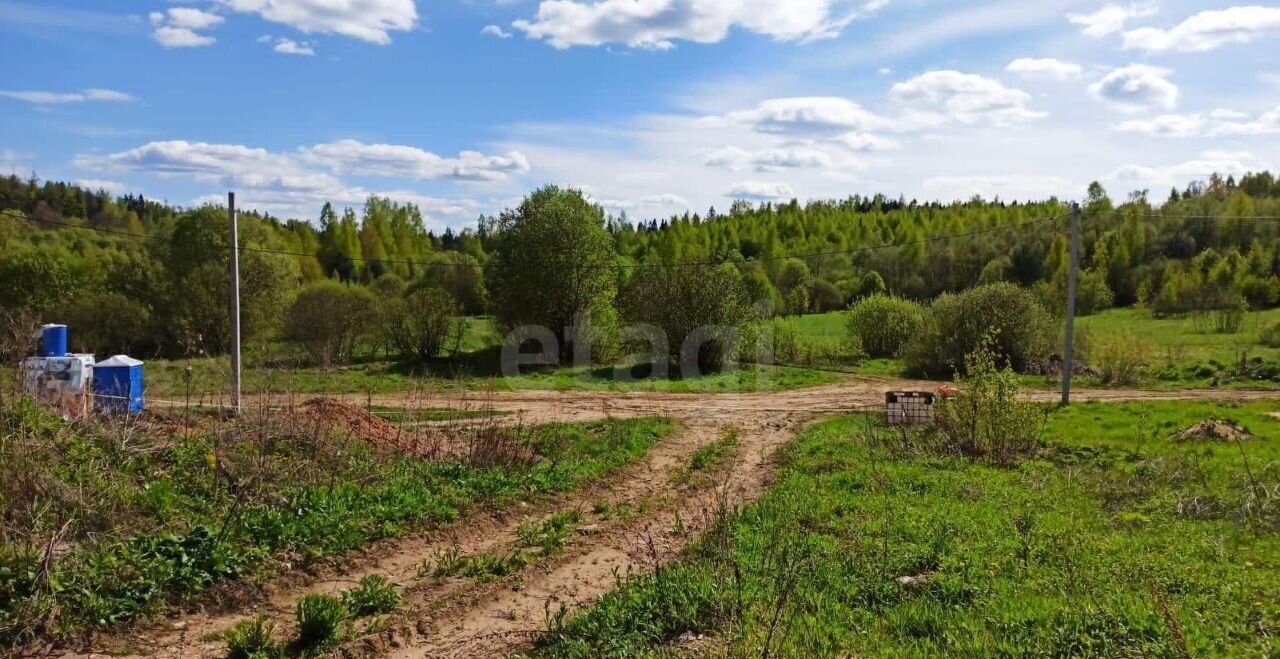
(171, 516)
(1067, 555)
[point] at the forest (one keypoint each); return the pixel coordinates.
(135, 275)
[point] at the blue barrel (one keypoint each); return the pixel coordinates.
(53, 341)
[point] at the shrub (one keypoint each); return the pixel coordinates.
(327, 317)
(253, 639)
(320, 620)
(1119, 359)
(987, 419)
(1270, 336)
(421, 325)
(883, 323)
(374, 594)
(826, 296)
(1019, 330)
(706, 306)
(1260, 292)
(108, 324)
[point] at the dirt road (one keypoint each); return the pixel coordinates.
(469, 618)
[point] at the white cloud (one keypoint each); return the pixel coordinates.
(657, 24)
(291, 47)
(305, 167)
(353, 157)
(186, 17)
(1266, 124)
(965, 98)
(768, 160)
(1012, 186)
(495, 31)
(1168, 125)
(178, 27)
(866, 142)
(1137, 87)
(817, 115)
(1208, 30)
(51, 98)
(1110, 18)
(96, 184)
(367, 20)
(762, 191)
(1234, 163)
(1045, 68)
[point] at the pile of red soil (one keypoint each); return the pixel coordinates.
(334, 415)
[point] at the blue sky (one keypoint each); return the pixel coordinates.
(650, 106)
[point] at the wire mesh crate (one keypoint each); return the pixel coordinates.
(908, 408)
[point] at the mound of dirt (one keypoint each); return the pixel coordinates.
(331, 415)
(1213, 430)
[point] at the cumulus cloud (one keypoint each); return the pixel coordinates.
(815, 115)
(367, 20)
(1110, 18)
(658, 24)
(84, 96)
(101, 184)
(762, 191)
(1208, 30)
(1168, 125)
(1045, 68)
(768, 160)
(1267, 123)
(291, 47)
(964, 98)
(1226, 163)
(306, 167)
(1137, 87)
(495, 31)
(353, 157)
(180, 27)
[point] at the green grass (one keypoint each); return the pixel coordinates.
(154, 518)
(1179, 353)
(1111, 543)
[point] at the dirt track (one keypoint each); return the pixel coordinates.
(464, 618)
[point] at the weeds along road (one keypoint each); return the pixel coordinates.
(475, 618)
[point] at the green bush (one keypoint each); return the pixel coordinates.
(422, 325)
(320, 620)
(374, 594)
(705, 307)
(987, 419)
(1119, 359)
(1020, 331)
(253, 639)
(327, 318)
(1270, 336)
(884, 323)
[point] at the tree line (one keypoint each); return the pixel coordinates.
(137, 275)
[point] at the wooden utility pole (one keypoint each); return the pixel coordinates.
(1068, 356)
(235, 304)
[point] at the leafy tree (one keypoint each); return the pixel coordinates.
(884, 324)
(553, 265)
(462, 277)
(704, 305)
(421, 325)
(1003, 317)
(327, 318)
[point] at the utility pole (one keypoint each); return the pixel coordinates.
(1068, 358)
(235, 304)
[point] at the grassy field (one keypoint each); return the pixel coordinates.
(1114, 541)
(1175, 352)
(156, 513)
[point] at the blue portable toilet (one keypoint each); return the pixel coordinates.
(53, 341)
(117, 385)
